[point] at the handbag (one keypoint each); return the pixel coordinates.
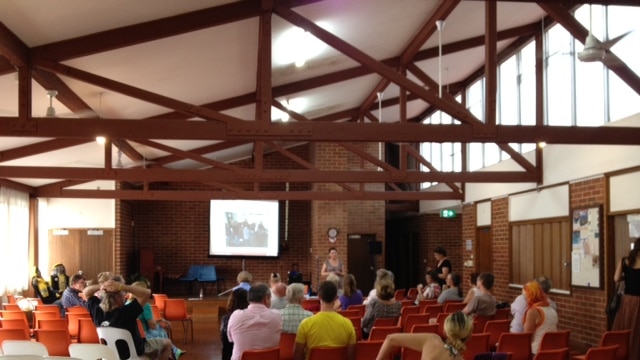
(614, 301)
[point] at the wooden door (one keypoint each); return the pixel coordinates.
(81, 249)
(484, 250)
(362, 264)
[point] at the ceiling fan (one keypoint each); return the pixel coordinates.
(594, 49)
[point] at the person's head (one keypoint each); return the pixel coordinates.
(385, 290)
(274, 278)
(349, 285)
(381, 273)
(545, 283)
(280, 290)
(458, 328)
(431, 276)
(78, 282)
(454, 280)
(473, 278)
(237, 300)
(104, 276)
(259, 294)
(334, 279)
(485, 280)
(244, 276)
(112, 300)
(327, 292)
(534, 293)
(333, 252)
(295, 293)
(294, 267)
(439, 253)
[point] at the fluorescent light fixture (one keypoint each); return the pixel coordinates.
(296, 46)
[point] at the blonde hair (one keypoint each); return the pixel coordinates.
(244, 276)
(458, 328)
(112, 300)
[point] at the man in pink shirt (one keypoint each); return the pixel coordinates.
(256, 327)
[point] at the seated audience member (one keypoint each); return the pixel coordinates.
(244, 280)
(380, 273)
(327, 328)
(540, 317)
(44, 291)
(295, 276)
(294, 313)
(152, 328)
(385, 306)
(110, 310)
(274, 279)
(432, 290)
(453, 291)
(59, 278)
(457, 328)
(257, 326)
(237, 300)
(278, 296)
(519, 305)
(473, 291)
(73, 295)
(350, 293)
(483, 304)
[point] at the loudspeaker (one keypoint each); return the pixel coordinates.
(375, 247)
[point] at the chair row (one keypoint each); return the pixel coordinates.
(33, 350)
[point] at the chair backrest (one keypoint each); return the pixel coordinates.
(367, 350)
(53, 324)
(41, 315)
(425, 328)
(518, 344)
(23, 357)
(502, 314)
(433, 310)
(24, 347)
(553, 340)
(158, 299)
(48, 307)
(476, 344)
(76, 309)
(620, 338)
(479, 321)
(360, 309)
(11, 307)
(426, 302)
(496, 328)
(556, 354)
(312, 305)
(13, 314)
(11, 299)
(16, 324)
(601, 353)
(287, 341)
(72, 321)
(261, 354)
(155, 311)
(192, 273)
(406, 311)
(207, 273)
(349, 313)
(412, 293)
(414, 319)
(324, 353)
(453, 306)
(399, 294)
(357, 326)
(13, 334)
(381, 332)
(56, 341)
(407, 302)
(87, 332)
(175, 309)
(440, 321)
(92, 352)
(385, 322)
(119, 340)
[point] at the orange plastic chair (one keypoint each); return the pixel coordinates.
(324, 353)
(48, 307)
(381, 332)
(414, 319)
(367, 350)
(40, 315)
(496, 328)
(158, 299)
(176, 310)
(11, 307)
(360, 309)
(349, 313)
(76, 309)
(16, 324)
(11, 298)
(406, 311)
(56, 341)
(72, 321)
(453, 306)
(518, 344)
(385, 322)
(155, 311)
(13, 334)
(141, 328)
(553, 340)
(87, 332)
(476, 344)
(602, 353)
(557, 354)
(53, 324)
(262, 354)
(287, 341)
(425, 328)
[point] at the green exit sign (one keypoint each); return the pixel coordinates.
(447, 213)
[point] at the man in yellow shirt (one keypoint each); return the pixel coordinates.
(326, 328)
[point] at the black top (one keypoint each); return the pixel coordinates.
(631, 280)
(125, 317)
(445, 264)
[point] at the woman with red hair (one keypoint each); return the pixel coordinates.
(540, 317)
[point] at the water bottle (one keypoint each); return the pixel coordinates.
(201, 294)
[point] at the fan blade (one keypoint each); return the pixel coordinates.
(608, 44)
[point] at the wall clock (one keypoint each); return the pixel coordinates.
(332, 233)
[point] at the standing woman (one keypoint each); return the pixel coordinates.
(628, 316)
(334, 265)
(443, 266)
(237, 301)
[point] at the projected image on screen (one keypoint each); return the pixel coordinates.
(243, 228)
